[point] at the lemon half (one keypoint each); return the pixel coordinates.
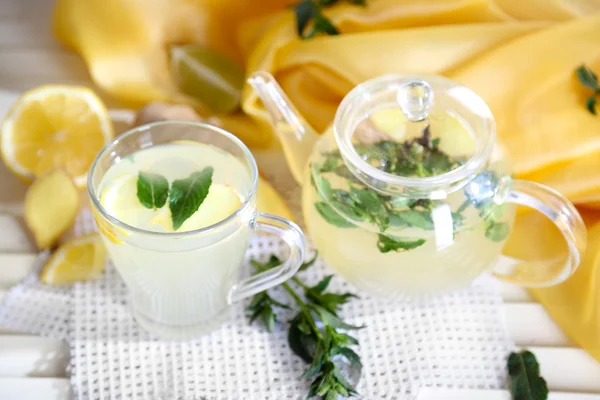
(55, 126)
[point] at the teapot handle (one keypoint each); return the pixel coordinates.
(548, 272)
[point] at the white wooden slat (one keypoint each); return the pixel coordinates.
(26, 10)
(33, 356)
(30, 355)
(20, 68)
(513, 293)
(442, 394)
(14, 237)
(35, 388)
(568, 369)
(530, 324)
(30, 33)
(14, 267)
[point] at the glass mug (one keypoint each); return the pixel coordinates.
(181, 284)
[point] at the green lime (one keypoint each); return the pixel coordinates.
(209, 77)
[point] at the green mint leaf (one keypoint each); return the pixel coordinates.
(152, 189)
(369, 201)
(268, 317)
(591, 104)
(322, 285)
(330, 301)
(497, 231)
(321, 24)
(307, 264)
(344, 339)
(332, 216)
(526, 382)
(262, 306)
(331, 162)
(188, 194)
(349, 354)
(304, 12)
(317, 363)
(417, 219)
(298, 338)
(387, 244)
(330, 319)
(344, 172)
(587, 77)
(273, 262)
(348, 389)
(347, 205)
(324, 188)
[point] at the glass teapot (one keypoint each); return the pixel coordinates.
(408, 193)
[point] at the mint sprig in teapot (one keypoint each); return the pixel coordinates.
(408, 193)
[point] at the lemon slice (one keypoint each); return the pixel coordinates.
(79, 259)
(52, 127)
(51, 204)
(120, 199)
(207, 76)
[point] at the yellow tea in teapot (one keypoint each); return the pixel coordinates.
(398, 245)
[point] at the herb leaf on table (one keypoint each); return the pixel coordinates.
(316, 333)
(589, 79)
(308, 11)
(526, 382)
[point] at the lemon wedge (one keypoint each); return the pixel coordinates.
(51, 204)
(207, 76)
(79, 259)
(52, 127)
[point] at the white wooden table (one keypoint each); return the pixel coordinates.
(34, 368)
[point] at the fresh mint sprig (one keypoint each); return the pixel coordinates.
(589, 79)
(316, 333)
(185, 195)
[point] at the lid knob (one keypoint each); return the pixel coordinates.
(415, 98)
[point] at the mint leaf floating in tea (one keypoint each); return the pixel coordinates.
(590, 80)
(316, 334)
(526, 382)
(152, 189)
(188, 194)
(332, 216)
(387, 244)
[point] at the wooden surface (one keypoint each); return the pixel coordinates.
(34, 368)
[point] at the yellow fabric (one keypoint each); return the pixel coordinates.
(519, 55)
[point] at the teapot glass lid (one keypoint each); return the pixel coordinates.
(414, 132)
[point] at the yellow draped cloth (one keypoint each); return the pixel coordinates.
(519, 55)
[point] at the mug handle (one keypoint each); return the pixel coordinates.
(292, 235)
(556, 207)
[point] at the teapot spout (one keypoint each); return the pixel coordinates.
(297, 137)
